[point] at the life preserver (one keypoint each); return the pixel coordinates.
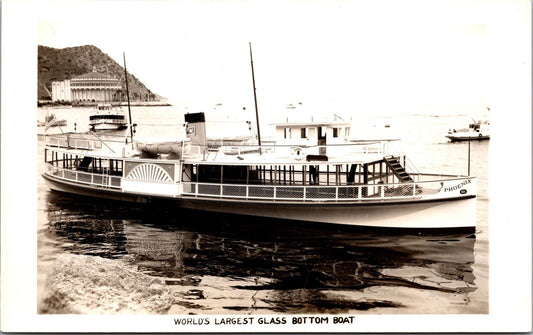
(480, 134)
(297, 153)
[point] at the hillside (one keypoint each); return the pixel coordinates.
(60, 64)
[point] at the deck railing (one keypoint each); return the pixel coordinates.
(278, 192)
(285, 150)
(88, 141)
(311, 193)
(86, 178)
(73, 143)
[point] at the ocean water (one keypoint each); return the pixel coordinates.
(223, 264)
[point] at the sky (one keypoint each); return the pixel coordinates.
(355, 57)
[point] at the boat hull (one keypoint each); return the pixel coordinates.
(468, 138)
(451, 213)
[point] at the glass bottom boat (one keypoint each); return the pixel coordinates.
(360, 184)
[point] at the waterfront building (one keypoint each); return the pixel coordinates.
(91, 87)
(61, 90)
(95, 86)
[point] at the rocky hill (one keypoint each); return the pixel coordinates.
(60, 64)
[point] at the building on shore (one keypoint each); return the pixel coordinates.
(61, 90)
(89, 87)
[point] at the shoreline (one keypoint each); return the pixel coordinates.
(41, 103)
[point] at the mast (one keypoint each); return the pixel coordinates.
(128, 96)
(255, 100)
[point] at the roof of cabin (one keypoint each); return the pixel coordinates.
(311, 124)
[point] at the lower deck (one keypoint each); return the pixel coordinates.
(152, 182)
(379, 178)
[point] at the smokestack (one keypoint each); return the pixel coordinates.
(195, 129)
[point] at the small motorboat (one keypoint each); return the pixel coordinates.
(52, 121)
(476, 131)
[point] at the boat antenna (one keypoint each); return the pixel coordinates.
(255, 100)
(128, 96)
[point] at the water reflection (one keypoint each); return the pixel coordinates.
(295, 262)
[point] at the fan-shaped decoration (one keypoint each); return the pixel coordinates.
(149, 172)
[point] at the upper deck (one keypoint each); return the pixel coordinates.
(91, 144)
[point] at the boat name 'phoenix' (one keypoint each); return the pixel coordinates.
(458, 186)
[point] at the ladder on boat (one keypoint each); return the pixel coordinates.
(394, 164)
(84, 165)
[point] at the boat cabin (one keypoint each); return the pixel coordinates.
(312, 133)
(290, 181)
(241, 176)
(479, 126)
(213, 170)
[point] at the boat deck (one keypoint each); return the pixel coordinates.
(275, 192)
(226, 172)
(111, 145)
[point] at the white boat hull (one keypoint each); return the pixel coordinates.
(418, 215)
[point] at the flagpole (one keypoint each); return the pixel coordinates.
(128, 96)
(255, 100)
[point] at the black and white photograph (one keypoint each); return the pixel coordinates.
(285, 166)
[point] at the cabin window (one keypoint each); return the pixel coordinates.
(209, 174)
(291, 175)
(235, 174)
(287, 133)
(115, 167)
(188, 173)
(335, 132)
(303, 133)
(347, 131)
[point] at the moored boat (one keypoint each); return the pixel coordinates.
(52, 121)
(361, 183)
(106, 117)
(50, 125)
(476, 131)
